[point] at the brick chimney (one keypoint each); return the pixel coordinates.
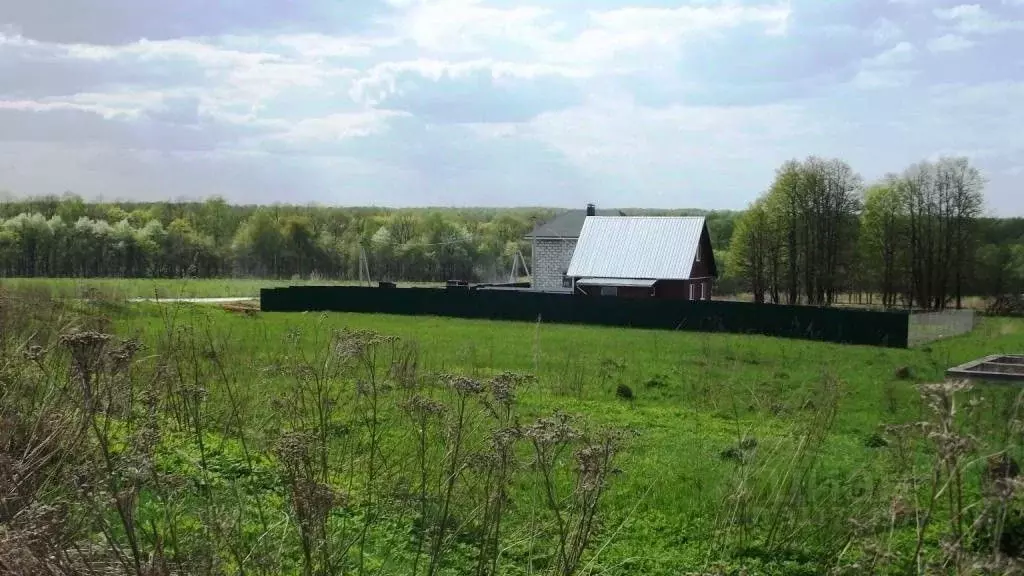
(591, 210)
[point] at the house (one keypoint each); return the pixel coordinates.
(644, 257)
(552, 246)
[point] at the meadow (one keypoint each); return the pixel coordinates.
(217, 442)
(164, 288)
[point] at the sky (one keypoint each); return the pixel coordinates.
(623, 103)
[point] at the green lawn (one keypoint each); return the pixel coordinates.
(695, 397)
(720, 374)
(124, 288)
(243, 434)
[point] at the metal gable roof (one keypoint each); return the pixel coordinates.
(653, 247)
(565, 225)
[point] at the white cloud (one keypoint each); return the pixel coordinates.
(974, 19)
(888, 69)
(335, 128)
(885, 31)
(869, 79)
(12, 40)
(949, 43)
(383, 80)
(323, 46)
(37, 106)
(468, 27)
(195, 49)
(479, 101)
(902, 53)
(106, 105)
(982, 98)
(678, 153)
(235, 76)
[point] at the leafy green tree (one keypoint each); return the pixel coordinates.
(71, 208)
(928, 250)
(750, 254)
(883, 240)
(812, 205)
(259, 245)
(1016, 272)
(996, 269)
(943, 202)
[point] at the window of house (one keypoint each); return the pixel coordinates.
(609, 291)
(698, 252)
(566, 281)
(691, 291)
(700, 291)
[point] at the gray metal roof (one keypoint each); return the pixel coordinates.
(652, 247)
(616, 282)
(566, 225)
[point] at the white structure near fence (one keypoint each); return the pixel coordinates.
(924, 327)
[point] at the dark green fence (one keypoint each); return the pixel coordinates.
(867, 327)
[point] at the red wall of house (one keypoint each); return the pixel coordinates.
(672, 289)
(680, 289)
(702, 271)
(667, 289)
(634, 292)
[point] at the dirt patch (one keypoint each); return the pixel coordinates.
(247, 308)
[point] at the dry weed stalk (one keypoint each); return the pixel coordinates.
(942, 498)
(114, 465)
(574, 514)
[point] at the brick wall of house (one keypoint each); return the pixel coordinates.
(550, 261)
(702, 268)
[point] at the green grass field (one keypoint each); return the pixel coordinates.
(695, 397)
(744, 454)
(127, 288)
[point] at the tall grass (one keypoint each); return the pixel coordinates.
(189, 441)
(124, 459)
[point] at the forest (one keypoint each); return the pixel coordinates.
(912, 239)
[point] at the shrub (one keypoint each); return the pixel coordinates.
(876, 440)
(623, 391)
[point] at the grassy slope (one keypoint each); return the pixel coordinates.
(695, 395)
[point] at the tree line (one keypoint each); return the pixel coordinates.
(915, 239)
(818, 233)
(61, 237)
(68, 237)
